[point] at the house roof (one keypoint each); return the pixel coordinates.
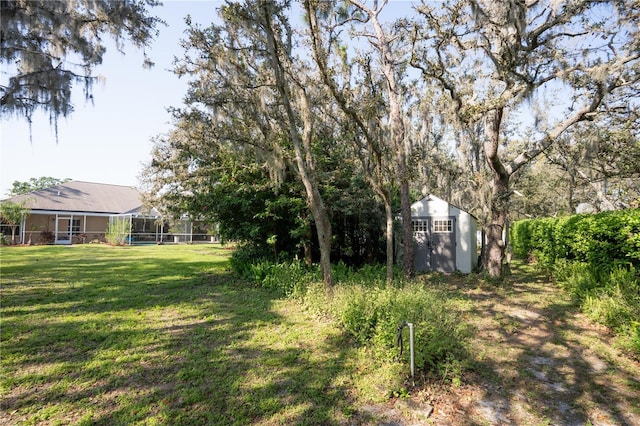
(77, 196)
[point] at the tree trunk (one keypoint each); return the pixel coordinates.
(397, 134)
(308, 256)
(323, 230)
(499, 197)
(408, 267)
(301, 144)
(495, 243)
(388, 212)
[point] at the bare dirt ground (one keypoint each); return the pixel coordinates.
(536, 361)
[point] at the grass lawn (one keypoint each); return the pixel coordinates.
(100, 335)
(93, 334)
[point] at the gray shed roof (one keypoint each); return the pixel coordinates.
(77, 196)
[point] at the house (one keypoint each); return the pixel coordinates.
(444, 236)
(78, 212)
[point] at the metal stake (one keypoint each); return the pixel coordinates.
(411, 347)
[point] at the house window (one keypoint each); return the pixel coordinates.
(443, 225)
(420, 226)
(75, 226)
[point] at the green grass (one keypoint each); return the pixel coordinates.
(93, 334)
(100, 335)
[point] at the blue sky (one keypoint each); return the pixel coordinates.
(109, 141)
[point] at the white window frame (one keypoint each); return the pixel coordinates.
(443, 226)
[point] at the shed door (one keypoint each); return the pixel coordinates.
(443, 244)
(421, 248)
(434, 246)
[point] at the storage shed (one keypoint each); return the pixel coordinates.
(444, 236)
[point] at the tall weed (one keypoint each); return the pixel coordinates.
(610, 297)
(373, 315)
(370, 311)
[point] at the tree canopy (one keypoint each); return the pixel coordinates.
(508, 109)
(35, 184)
(48, 46)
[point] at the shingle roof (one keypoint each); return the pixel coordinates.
(77, 196)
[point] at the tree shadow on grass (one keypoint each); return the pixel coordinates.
(204, 350)
(540, 361)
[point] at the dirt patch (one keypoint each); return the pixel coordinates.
(536, 360)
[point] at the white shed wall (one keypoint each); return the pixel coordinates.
(467, 246)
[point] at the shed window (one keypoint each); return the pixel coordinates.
(420, 226)
(443, 226)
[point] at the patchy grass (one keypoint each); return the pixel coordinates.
(536, 360)
(166, 335)
(159, 335)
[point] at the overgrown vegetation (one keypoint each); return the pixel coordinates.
(596, 258)
(100, 335)
(608, 296)
(371, 311)
(117, 231)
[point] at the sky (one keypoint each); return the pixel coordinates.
(109, 141)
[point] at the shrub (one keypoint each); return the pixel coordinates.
(372, 315)
(370, 311)
(289, 278)
(244, 259)
(117, 231)
(611, 298)
(47, 237)
(599, 239)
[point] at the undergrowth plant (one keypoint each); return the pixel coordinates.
(609, 297)
(371, 311)
(117, 231)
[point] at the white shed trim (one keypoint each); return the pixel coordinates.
(436, 253)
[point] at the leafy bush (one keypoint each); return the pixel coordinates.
(290, 278)
(370, 311)
(372, 316)
(47, 237)
(598, 239)
(611, 298)
(245, 257)
(367, 274)
(117, 231)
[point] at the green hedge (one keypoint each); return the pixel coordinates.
(596, 258)
(601, 240)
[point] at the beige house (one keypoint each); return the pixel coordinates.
(80, 212)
